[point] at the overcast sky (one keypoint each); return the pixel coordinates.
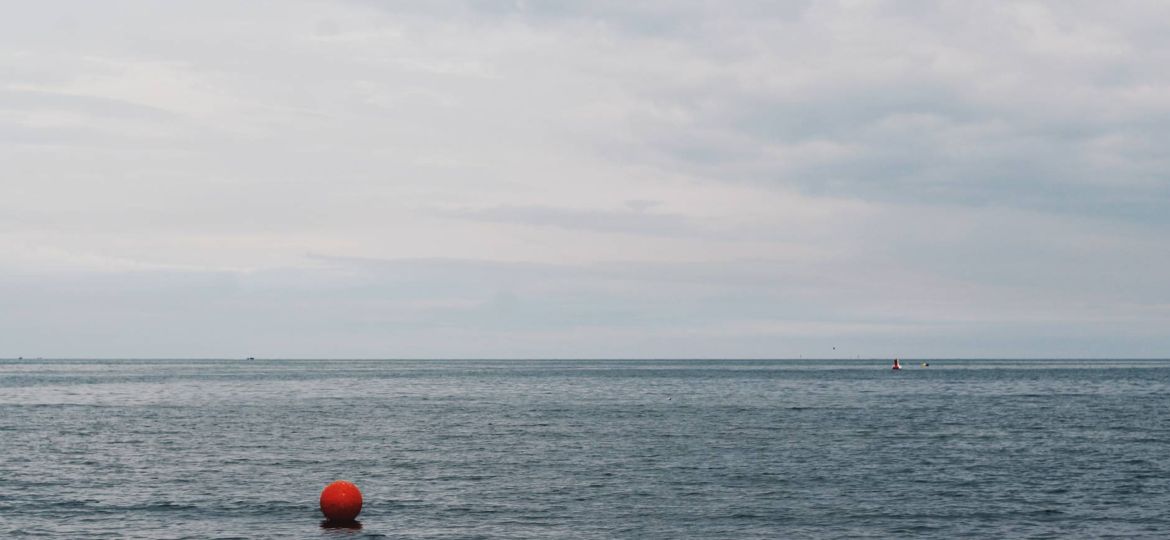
(678, 178)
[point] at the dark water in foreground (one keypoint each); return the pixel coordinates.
(586, 449)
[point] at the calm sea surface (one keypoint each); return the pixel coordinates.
(586, 449)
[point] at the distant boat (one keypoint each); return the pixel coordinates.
(896, 364)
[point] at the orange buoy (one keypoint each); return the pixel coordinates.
(341, 501)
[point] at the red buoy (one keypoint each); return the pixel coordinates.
(341, 501)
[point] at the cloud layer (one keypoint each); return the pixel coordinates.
(581, 179)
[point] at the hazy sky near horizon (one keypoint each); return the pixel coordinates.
(584, 179)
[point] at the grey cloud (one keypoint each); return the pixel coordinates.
(1015, 127)
(647, 178)
(27, 100)
(643, 18)
(633, 221)
(511, 273)
(412, 308)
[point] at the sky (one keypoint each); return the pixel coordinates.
(584, 179)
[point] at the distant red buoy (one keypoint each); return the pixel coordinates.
(341, 501)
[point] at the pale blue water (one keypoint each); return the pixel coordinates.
(586, 449)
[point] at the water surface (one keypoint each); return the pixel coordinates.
(586, 449)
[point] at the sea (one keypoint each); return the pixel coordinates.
(585, 449)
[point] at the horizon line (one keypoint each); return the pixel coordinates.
(583, 359)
